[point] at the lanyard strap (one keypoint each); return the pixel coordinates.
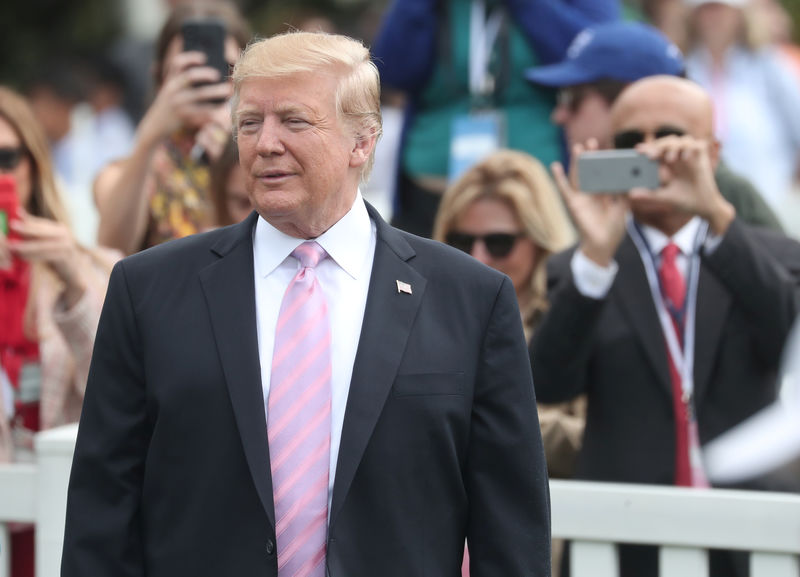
(683, 358)
(483, 35)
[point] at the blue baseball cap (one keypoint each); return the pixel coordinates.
(625, 51)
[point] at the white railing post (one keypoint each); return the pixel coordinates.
(5, 549)
(593, 559)
(54, 450)
(771, 565)
(682, 562)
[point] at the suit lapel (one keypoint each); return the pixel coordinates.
(713, 302)
(229, 289)
(633, 296)
(388, 319)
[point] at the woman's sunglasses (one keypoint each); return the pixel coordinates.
(630, 138)
(498, 244)
(11, 157)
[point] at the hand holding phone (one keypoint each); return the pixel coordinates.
(599, 218)
(616, 171)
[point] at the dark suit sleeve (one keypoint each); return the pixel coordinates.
(103, 535)
(562, 343)
(508, 529)
(761, 272)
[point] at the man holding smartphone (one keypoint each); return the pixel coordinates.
(599, 65)
(672, 320)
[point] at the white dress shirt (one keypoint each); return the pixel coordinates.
(344, 278)
(593, 280)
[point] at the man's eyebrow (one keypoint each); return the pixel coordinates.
(247, 111)
(292, 109)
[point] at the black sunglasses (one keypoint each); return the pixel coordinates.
(630, 138)
(11, 157)
(498, 244)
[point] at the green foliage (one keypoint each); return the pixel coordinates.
(33, 32)
(793, 7)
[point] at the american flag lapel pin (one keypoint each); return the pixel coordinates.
(403, 287)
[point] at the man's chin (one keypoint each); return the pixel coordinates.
(275, 202)
(643, 208)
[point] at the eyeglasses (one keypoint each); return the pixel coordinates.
(630, 138)
(571, 97)
(498, 244)
(11, 157)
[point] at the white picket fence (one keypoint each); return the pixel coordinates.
(595, 516)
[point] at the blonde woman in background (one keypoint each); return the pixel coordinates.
(51, 293)
(505, 212)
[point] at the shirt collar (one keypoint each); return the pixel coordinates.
(346, 242)
(684, 238)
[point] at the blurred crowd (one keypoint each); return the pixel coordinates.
(654, 327)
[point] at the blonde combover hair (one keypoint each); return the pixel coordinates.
(521, 181)
(358, 92)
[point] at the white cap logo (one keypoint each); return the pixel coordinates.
(580, 42)
(674, 52)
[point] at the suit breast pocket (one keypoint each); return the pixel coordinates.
(427, 384)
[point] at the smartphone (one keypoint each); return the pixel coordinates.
(207, 35)
(9, 203)
(616, 171)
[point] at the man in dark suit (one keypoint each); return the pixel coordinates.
(664, 370)
(415, 387)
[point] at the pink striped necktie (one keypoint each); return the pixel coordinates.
(299, 426)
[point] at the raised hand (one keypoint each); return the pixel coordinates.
(180, 102)
(688, 184)
(215, 134)
(600, 218)
(49, 242)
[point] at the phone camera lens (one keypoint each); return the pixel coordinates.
(635, 171)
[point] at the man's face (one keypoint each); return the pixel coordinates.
(301, 161)
(583, 114)
(656, 111)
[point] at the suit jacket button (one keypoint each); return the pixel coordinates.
(270, 546)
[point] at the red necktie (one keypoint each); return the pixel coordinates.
(673, 289)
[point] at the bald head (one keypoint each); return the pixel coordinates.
(656, 107)
(658, 101)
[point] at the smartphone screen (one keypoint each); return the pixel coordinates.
(207, 36)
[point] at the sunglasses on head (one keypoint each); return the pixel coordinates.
(498, 244)
(11, 157)
(630, 138)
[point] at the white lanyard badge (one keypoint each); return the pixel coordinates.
(483, 33)
(683, 358)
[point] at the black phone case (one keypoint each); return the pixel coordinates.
(207, 36)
